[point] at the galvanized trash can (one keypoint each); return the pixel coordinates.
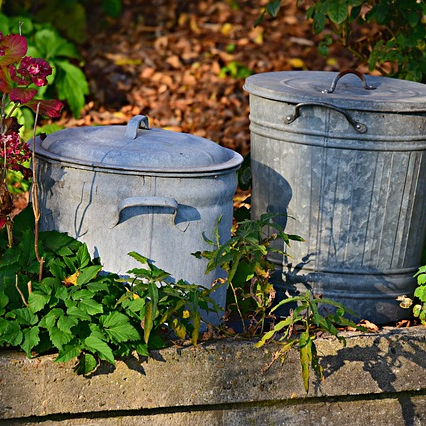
(344, 156)
(131, 188)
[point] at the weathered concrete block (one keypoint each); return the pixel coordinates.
(378, 378)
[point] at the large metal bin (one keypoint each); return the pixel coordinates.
(344, 156)
(131, 188)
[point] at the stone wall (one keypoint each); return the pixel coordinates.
(377, 379)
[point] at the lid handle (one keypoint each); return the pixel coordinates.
(341, 74)
(135, 123)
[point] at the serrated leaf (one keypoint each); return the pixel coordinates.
(83, 256)
(420, 292)
(118, 327)
(52, 45)
(72, 86)
(65, 323)
(12, 334)
(421, 279)
(68, 352)
(142, 349)
(74, 311)
(416, 310)
(88, 274)
(23, 316)
(49, 320)
(59, 337)
(31, 339)
(37, 301)
(91, 307)
(83, 294)
(86, 364)
(101, 348)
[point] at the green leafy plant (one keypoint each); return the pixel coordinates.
(395, 45)
(69, 17)
(245, 260)
(419, 308)
(67, 81)
(82, 314)
(301, 327)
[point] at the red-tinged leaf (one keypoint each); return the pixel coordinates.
(22, 94)
(3, 221)
(6, 82)
(14, 47)
(49, 108)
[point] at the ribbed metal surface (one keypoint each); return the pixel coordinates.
(357, 199)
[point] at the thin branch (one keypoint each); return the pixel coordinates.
(19, 290)
(34, 197)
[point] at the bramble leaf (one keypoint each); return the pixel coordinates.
(69, 351)
(86, 364)
(31, 339)
(12, 334)
(37, 301)
(88, 274)
(99, 347)
(91, 306)
(65, 323)
(72, 85)
(59, 337)
(118, 327)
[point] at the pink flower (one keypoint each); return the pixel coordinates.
(13, 150)
(31, 70)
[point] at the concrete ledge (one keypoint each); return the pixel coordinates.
(378, 378)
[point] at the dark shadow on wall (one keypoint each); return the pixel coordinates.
(388, 354)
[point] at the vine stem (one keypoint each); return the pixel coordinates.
(34, 197)
(234, 292)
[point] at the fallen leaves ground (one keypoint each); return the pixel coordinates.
(183, 64)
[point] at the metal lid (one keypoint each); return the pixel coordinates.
(348, 89)
(136, 147)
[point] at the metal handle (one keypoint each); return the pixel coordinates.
(341, 74)
(143, 202)
(135, 123)
(359, 127)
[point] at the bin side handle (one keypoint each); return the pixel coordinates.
(341, 74)
(359, 127)
(166, 202)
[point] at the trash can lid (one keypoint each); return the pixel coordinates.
(137, 147)
(348, 89)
